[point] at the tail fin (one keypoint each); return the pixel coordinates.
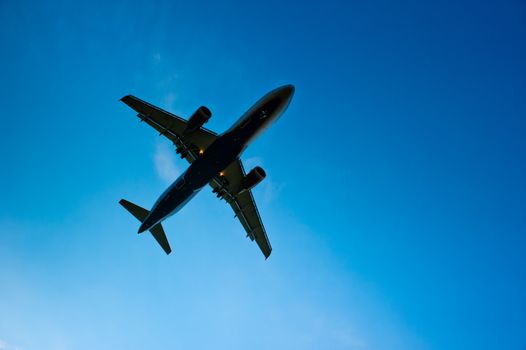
(157, 231)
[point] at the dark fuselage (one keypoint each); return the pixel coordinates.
(223, 151)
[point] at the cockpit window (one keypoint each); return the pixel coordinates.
(263, 114)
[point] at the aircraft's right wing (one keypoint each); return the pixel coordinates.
(172, 127)
(245, 209)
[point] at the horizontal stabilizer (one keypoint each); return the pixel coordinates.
(157, 231)
(139, 212)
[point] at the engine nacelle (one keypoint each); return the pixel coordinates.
(251, 179)
(198, 119)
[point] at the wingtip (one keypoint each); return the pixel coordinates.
(123, 98)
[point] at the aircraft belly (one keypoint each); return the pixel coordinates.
(181, 204)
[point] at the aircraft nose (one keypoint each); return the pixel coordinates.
(288, 91)
(285, 94)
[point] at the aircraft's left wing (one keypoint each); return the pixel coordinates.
(245, 209)
(172, 127)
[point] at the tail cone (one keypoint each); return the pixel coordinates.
(144, 227)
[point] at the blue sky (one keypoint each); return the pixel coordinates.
(394, 197)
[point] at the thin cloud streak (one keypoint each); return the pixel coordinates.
(164, 160)
(271, 189)
(5, 346)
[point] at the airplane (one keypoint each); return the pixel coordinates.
(214, 160)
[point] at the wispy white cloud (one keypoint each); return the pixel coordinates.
(156, 57)
(164, 159)
(252, 162)
(348, 338)
(168, 100)
(5, 346)
(336, 311)
(271, 189)
(165, 76)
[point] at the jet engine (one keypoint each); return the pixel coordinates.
(200, 117)
(251, 179)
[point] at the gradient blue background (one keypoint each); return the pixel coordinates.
(395, 196)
